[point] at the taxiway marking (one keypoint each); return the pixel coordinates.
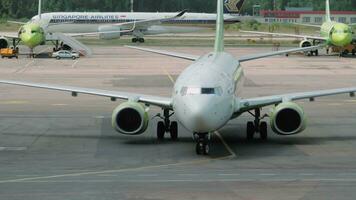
(232, 153)
(23, 69)
(13, 102)
(169, 76)
(13, 148)
(75, 63)
(104, 171)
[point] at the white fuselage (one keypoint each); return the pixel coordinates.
(204, 94)
(83, 22)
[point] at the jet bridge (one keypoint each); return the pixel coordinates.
(71, 42)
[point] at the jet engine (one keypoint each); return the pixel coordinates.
(4, 43)
(110, 32)
(130, 118)
(305, 43)
(288, 119)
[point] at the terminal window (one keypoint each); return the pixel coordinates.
(342, 19)
(318, 20)
(306, 19)
(353, 20)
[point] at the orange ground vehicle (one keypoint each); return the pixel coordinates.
(346, 50)
(9, 53)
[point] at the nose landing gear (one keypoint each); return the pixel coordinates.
(203, 143)
(167, 126)
(256, 126)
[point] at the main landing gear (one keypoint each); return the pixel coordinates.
(167, 126)
(256, 126)
(203, 143)
(140, 40)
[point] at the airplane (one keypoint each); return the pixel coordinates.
(204, 98)
(332, 33)
(66, 25)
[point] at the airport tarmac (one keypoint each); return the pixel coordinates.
(54, 146)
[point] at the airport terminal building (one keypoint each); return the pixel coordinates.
(304, 16)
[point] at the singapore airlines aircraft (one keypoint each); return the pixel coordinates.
(204, 98)
(66, 25)
(332, 33)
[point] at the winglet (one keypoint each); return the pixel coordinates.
(219, 37)
(327, 9)
(182, 13)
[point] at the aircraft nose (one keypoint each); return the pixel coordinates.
(198, 116)
(342, 39)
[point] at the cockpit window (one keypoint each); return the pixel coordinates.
(197, 90)
(33, 31)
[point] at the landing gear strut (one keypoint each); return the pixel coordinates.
(203, 143)
(256, 126)
(167, 126)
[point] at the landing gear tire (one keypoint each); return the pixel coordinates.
(257, 126)
(134, 40)
(203, 145)
(316, 52)
(263, 130)
(166, 126)
(174, 131)
(141, 40)
(353, 52)
(250, 131)
(161, 129)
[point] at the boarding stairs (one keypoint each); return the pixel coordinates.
(70, 41)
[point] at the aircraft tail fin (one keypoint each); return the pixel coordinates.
(327, 8)
(219, 37)
(233, 6)
(39, 8)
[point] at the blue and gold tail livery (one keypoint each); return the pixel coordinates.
(233, 6)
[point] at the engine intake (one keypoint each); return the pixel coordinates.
(305, 43)
(4, 43)
(130, 118)
(288, 119)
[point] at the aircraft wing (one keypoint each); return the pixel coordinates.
(241, 59)
(167, 53)
(248, 104)
(149, 22)
(10, 35)
(310, 25)
(98, 33)
(163, 102)
(286, 35)
(269, 54)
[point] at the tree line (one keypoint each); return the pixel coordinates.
(16, 9)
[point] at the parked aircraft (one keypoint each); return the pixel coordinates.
(64, 26)
(332, 33)
(204, 97)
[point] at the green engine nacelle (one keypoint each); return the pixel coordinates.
(130, 118)
(288, 118)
